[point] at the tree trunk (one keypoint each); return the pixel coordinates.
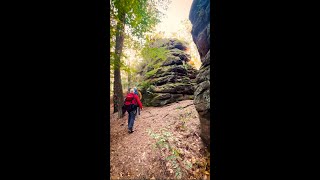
(115, 107)
(129, 76)
(117, 75)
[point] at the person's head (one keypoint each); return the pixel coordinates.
(131, 90)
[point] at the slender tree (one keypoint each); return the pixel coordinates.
(137, 17)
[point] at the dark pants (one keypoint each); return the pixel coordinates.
(131, 119)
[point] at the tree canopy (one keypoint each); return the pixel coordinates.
(141, 16)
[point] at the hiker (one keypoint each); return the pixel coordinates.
(131, 102)
(137, 93)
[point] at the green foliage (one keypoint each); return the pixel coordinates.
(144, 85)
(151, 73)
(154, 53)
(141, 16)
(152, 47)
(173, 154)
(122, 65)
(185, 65)
(188, 164)
(131, 19)
(184, 118)
(153, 57)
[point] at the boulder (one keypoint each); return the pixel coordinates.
(174, 80)
(200, 19)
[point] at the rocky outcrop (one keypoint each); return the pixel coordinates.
(200, 19)
(170, 79)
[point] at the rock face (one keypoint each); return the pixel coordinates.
(171, 79)
(200, 19)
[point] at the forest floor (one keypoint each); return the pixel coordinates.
(165, 144)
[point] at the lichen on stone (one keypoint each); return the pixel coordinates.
(172, 78)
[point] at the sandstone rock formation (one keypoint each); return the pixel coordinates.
(200, 19)
(171, 79)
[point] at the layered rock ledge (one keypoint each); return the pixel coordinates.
(171, 79)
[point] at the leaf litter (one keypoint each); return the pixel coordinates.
(136, 156)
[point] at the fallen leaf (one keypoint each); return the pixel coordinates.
(193, 160)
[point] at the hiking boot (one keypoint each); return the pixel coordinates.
(130, 131)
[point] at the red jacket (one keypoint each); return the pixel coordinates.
(131, 97)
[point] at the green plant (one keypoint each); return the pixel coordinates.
(153, 55)
(144, 85)
(151, 73)
(184, 118)
(149, 90)
(186, 65)
(172, 155)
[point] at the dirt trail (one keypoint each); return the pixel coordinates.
(136, 156)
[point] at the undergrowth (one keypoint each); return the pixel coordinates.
(169, 152)
(172, 152)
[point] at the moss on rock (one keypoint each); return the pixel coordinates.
(168, 80)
